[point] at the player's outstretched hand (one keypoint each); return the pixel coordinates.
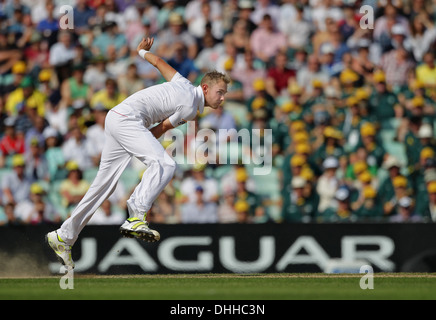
(145, 44)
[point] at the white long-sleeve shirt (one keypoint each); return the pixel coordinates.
(177, 100)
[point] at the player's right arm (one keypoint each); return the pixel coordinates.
(161, 128)
(164, 68)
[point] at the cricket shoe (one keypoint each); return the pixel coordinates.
(136, 228)
(62, 250)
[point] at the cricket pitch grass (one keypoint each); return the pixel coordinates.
(280, 286)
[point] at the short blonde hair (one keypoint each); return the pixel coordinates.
(213, 77)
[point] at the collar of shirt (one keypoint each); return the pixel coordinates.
(200, 94)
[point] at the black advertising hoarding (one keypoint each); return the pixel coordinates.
(223, 248)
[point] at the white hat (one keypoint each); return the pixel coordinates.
(390, 162)
(298, 182)
(330, 162)
(245, 4)
(342, 194)
(327, 48)
(398, 29)
(405, 202)
(49, 132)
(425, 131)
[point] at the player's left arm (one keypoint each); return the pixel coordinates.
(161, 128)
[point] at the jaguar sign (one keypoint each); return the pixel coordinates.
(305, 250)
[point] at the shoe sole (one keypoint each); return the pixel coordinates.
(144, 236)
(58, 257)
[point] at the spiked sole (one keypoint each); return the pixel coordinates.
(149, 236)
(58, 257)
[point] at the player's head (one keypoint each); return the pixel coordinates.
(214, 85)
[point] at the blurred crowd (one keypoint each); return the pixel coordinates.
(349, 96)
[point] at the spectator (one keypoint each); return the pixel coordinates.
(265, 7)
(130, 82)
(279, 76)
(95, 136)
(208, 56)
(107, 215)
(297, 29)
(36, 164)
(182, 63)
(307, 74)
(8, 216)
(374, 151)
(74, 88)
(239, 36)
(396, 64)
(430, 211)
(247, 74)
(11, 143)
(327, 183)
(35, 131)
(15, 185)
(244, 10)
(148, 12)
(83, 15)
(383, 26)
(96, 74)
(166, 208)
(196, 178)
(18, 72)
(237, 174)
(75, 149)
(386, 189)
(426, 73)
(26, 95)
(193, 10)
(382, 101)
(108, 97)
(339, 210)
(169, 8)
(73, 188)
(412, 143)
(242, 208)
(111, 36)
(400, 184)
(370, 209)
(57, 114)
(244, 193)
(62, 53)
(48, 27)
(53, 155)
(37, 209)
(300, 208)
(406, 211)
(220, 119)
(199, 211)
(176, 33)
(199, 23)
(227, 212)
(423, 35)
(266, 33)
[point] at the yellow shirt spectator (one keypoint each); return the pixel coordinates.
(109, 97)
(27, 95)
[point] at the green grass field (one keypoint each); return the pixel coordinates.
(223, 287)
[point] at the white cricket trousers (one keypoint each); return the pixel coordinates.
(125, 137)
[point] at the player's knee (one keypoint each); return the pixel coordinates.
(169, 165)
